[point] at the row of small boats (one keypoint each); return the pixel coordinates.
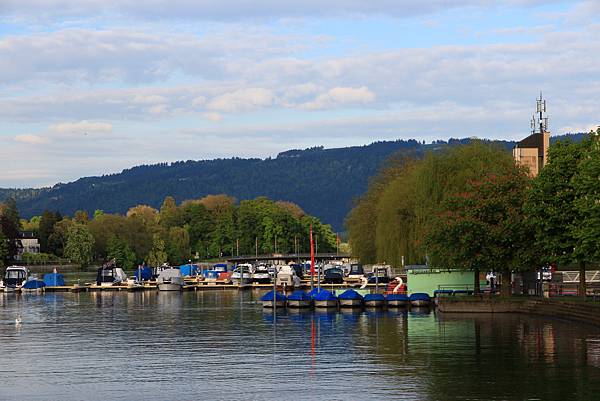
(348, 299)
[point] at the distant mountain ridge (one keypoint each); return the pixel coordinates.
(323, 182)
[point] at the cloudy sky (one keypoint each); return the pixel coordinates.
(89, 87)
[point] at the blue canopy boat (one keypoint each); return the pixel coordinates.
(299, 299)
(312, 293)
(33, 284)
(397, 300)
(273, 299)
(54, 280)
(350, 299)
(420, 299)
(143, 273)
(374, 300)
(325, 299)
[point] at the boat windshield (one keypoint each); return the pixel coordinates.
(15, 274)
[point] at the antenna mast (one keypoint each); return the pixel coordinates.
(542, 120)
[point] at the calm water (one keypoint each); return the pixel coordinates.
(222, 345)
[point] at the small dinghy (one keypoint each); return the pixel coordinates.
(325, 299)
(350, 299)
(375, 300)
(396, 300)
(33, 284)
(298, 299)
(271, 299)
(420, 299)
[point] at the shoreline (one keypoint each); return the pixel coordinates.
(575, 311)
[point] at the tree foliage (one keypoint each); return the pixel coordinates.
(80, 244)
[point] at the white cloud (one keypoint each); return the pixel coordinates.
(340, 96)
(241, 100)
(80, 128)
(213, 117)
(31, 139)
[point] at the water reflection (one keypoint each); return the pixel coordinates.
(222, 344)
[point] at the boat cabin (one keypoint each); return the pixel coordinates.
(110, 274)
(15, 276)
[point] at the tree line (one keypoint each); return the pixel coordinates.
(214, 226)
(473, 208)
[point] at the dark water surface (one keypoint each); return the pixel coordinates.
(222, 345)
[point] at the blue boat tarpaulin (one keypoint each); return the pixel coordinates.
(54, 280)
(269, 296)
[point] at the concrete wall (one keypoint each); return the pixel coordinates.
(428, 281)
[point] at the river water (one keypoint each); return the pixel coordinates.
(223, 345)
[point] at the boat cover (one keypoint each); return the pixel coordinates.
(299, 296)
(350, 295)
(420, 296)
(269, 296)
(54, 279)
(374, 297)
(325, 295)
(34, 284)
(312, 293)
(145, 273)
(188, 270)
(397, 297)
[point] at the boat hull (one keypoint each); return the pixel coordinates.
(11, 289)
(397, 303)
(351, 303)
(32, 291)
(169, 287)
(269, 304)
(420, 302)
(375, 303)
(326, 304)
(298, 304)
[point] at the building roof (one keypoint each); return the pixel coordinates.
(533, 141)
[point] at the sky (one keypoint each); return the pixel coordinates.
(90, 87)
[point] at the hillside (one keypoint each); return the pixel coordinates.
(323, 182)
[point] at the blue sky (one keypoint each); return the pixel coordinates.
(91, 87)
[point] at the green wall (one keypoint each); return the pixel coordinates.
(429, 280)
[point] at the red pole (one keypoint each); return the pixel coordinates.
(312, 253)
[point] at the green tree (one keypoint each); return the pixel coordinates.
(80, 244)
(178, 245)
(4, 252)
(46, 228)
(10, 224)
(586, 184)
(483, 228)
(157, 255)
(552, 210)
(120, 251)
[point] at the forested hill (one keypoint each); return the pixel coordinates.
(323, 182)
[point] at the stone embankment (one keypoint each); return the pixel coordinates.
(584, 312)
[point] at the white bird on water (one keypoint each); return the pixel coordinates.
(18, 321)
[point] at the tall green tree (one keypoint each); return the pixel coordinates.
(178, 245)
(120, 251)
(46, 228)
(10, 224)
(483, 228)
(552, 210)
(80, 244)
(157, 255)
(4, 253)
(586, 184)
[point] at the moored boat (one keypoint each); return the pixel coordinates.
(350, 299)
(396, 300)
(298, 299)
(14, 277)
(54, 280)
(287, 278)
(325, 299)
(273, 299)
(374, 300)
(33, 284)
(170, 280)
(109, 275)
(420, 299)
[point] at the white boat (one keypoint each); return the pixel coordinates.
(260, 274)
(110, 275)
(170, 280)
(14, 278)
(242, 274)
(287, 278)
